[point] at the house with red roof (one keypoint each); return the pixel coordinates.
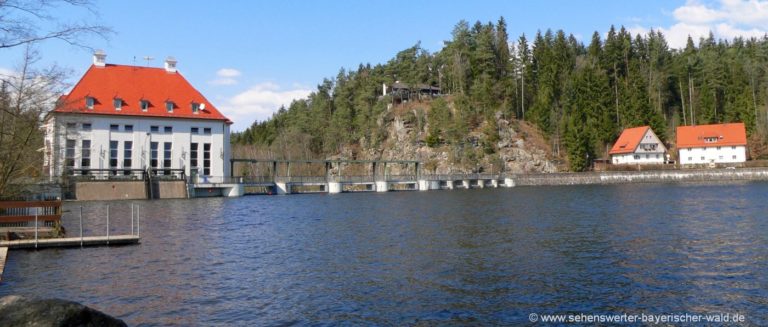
(711, 144)
(121, 120)
(638, 145)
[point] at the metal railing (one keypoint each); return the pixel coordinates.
(112, 174)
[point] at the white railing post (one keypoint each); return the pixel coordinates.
(138, 221)
(81, 226)
(37, 211)
(107, 224)
(131, 218)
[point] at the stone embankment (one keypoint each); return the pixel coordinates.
(658, 176)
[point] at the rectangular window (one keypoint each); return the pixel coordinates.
(734, 156)
(647, 156)
(113, 156)
(69, 156)
(194, 130)
(207, 131)
(690, 158)
(169, 106)
(168, 129)
(127, 157)
(128, 128)
(193, 155)
(118, 104)
(85, 157)
(144, 105)
(71, 127)
(89, 102)
(733, 147)
(195, 107)
(167, 147)
(153, 156)
(702, 158)
(87, 127)
(720, 157)
(114, 127)
(718, 148)
(154, 129)
(637, 157)
(206, 159)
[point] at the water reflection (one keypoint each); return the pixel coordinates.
(452, 257)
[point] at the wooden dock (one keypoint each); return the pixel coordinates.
(71, 242)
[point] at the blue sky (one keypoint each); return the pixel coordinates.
(248, 57)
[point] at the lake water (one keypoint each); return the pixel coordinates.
(478, 257)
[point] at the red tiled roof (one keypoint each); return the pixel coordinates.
(132, 84)
(723, 134)
(629, 140)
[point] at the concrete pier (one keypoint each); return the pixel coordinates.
(334, 187)
(283, 188)
(382, 186)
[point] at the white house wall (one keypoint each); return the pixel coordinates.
(713, 154)
(643, 158)
(100, 136)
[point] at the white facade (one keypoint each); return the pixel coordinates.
(650, 150)
(78, 142)
(713, 154)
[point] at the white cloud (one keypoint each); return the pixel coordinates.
(259, 103)
(226, 76)
(726, 19)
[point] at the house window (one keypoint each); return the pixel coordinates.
(207, 131)
(71, 127)
(153, 156)
(702, 158)
(195, 107)
(114, 127)
(87, 127)
(154, 129)
(206, 159)
(195, 130)
(168, 129)
(647, 156)
(193, 156)
(690, 158)
(169, 106)
(167, 146)
(128, 128)
(144, 105)
(637, 157)
(85, 157)
(733, 148)
(657, 156)
(718, 148)
(710, 139)
(69, 155)
(734, 156)
(118, 104)
(89, 102)
(127, 157)
(113, 156)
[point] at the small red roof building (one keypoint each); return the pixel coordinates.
(629, 140)
(732, 134)
(137, 91)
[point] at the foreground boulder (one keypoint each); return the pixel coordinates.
(20, 311)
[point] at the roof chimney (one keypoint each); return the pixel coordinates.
(99, 58)
(170, 65)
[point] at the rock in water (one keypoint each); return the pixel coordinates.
(19, 311)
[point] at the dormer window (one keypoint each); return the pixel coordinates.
(144, 105)
(169, 106)
(89, 102)
(710, 139)
(195, 107)
(118, 104)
